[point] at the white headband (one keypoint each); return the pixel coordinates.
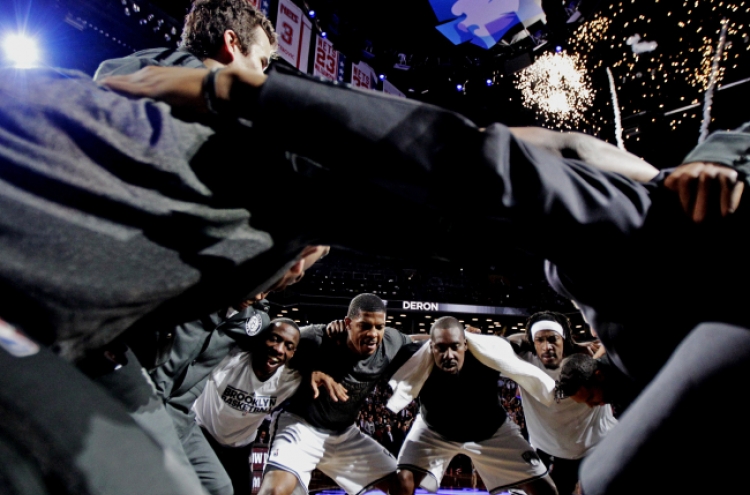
(546, 325)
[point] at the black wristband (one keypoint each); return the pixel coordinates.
(209, 90)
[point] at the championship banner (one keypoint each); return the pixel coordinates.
(290, 27)
(326, 60)
(391, 89)
(363, 76)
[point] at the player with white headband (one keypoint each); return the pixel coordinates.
(564, 432)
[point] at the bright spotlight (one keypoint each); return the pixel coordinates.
(21, 50)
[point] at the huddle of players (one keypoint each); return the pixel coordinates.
(460, 409)
(317, 430)
(145, 228)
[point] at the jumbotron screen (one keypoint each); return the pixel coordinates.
(484, 22)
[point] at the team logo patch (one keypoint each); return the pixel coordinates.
(253, 325)
(16, 343)
(531, 457)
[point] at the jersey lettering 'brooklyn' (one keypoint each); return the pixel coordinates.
(242, 401)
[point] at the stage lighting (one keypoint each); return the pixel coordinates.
(21, 50)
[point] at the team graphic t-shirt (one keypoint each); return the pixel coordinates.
(235, 401)
(566, 429)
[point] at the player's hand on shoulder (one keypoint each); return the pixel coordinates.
(591, 348)
(471, 329)
(336, 330)
(337, 391)
(600, 352)
(706, 189)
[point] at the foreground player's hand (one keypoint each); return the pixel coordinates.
(706, 189)
(592, 348)
(336, 329)
(335, 389)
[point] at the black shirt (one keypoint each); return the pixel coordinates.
(463, 407)
(359, 376)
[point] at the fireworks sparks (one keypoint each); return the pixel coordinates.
(702, 75)
(589, 34)
(557, 87)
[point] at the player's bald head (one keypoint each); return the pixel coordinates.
(446, 323)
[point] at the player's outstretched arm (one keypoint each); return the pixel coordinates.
(590, 150)
(194, 92)
(413, 153)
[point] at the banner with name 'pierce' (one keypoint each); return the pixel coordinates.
(294, 33)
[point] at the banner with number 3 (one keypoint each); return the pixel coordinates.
(294, 31)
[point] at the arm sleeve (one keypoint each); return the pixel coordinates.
(121, 66)
(730, 148)
(245, 326)
(405, 339)
(134, 63)
(417, 155)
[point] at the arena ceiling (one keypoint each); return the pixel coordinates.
(661, 56)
